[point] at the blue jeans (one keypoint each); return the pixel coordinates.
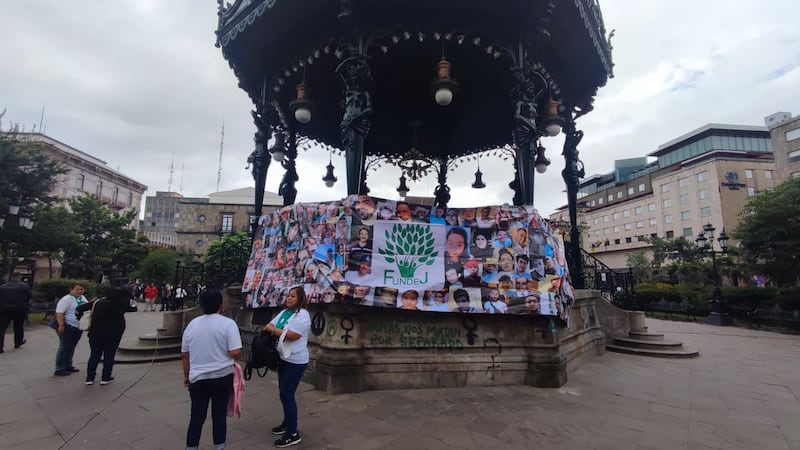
(104, 345)
(289, 376)
(67, 341)
(217, 390)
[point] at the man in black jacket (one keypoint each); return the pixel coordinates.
(14, 297)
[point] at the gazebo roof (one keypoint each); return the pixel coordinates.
(272, 45)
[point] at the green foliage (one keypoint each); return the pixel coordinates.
(49, 290)
(409, 246)
(157, 266)
(641, 265)
(27, 175)
(106, 240)
(226, 259)
(769, 232)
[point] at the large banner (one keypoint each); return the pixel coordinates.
(384, 253)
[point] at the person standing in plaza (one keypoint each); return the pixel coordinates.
(105, 332)
(180, 295)
(165, 295)
(68, 332)
(14, 297)
(150, 294)
(210, 345)
(292, 326)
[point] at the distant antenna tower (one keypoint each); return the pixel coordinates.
(180, 186)
(41, 122)
(221, 146)
(171, 171)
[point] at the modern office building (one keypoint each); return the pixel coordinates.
(704, 176)
(191, 224)
(785, 132)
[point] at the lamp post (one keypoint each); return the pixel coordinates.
(705, 243)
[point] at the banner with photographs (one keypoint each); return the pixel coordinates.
(385, 253)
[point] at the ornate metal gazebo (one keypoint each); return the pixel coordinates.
(418, 84)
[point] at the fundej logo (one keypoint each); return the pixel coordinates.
(409, 247)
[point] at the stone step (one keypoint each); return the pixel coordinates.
(645, 336)
(152, 338)
(144, 359)
(651, 352)
(655, 345)
(148, 348)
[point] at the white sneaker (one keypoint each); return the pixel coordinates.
(105, 382)
(88, 382)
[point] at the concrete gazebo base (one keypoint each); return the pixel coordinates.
(356, 349)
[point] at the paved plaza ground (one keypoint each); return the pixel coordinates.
(743, 392)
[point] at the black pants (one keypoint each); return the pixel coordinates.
(104, 345)
(217, 390)
(18, 316)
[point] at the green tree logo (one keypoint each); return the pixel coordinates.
(410, 247)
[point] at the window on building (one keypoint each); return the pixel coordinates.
(670, 234)
(795, 174)
(794, 156)
(666, 203)
(653, 235)
(597, 232)
(683, 182)
(628, 227)
(641, 187)
(606, 231)
(227, 223)
(640, 224)
(616, 229)
(628, 240)
(630, 190)
(651, 207)
(596, 220)
(626, 213)
(685, 199)
(702, 176)
(653, 222)
(665, 188)
(768, 174)
(99, 189)
(130, 198)
(703, 194)
(793, 134)
(600, 201)
(639, 210)
(605, 219)
(687, 232)
(116, 195)
(616, 241)
(686, 215)
(705, 212)
(751, 191)
(81, 181)
(619, 194)
(748, 173)
(668, 218)
(615, 216)
(610, 197)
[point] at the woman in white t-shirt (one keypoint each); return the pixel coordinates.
(292, 325)
(209, 347)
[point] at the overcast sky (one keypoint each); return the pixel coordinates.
(133, 82)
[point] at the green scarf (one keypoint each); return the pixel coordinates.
(284, 317)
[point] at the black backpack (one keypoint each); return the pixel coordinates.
(263, 354)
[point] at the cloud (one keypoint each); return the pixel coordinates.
(132, 81)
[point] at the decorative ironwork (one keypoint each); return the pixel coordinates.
(572, 173)
(356, 81)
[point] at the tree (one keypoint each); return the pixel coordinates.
(641, 266)
(226, 259)
(107, 242)
(157, 266)
(27, 175)
(769, 232)
(54, 233)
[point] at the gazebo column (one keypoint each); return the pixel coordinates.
(260, 161)
(525, 97)
(355, 76)
(572, 173)
(287, 189)
(442, 192)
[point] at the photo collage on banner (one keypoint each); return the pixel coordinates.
(385, 253)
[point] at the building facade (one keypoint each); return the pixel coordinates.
(191, 224)
(785, 132)
(705, 176)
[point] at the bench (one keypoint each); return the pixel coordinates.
(779, 319)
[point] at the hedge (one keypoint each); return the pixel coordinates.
(52, 290)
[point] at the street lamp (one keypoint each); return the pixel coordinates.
(705, 243)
